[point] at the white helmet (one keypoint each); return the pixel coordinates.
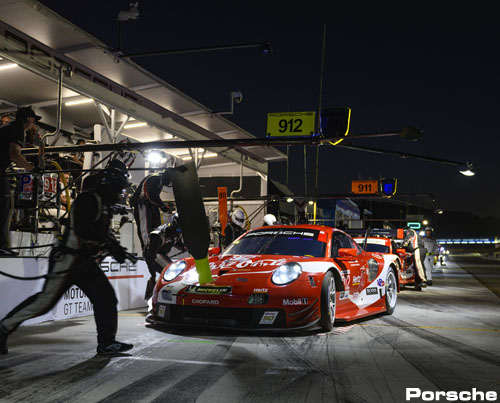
(269, 219)
(238, 218)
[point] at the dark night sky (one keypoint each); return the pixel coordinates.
(436, 68)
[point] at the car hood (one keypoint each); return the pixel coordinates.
(241, 269)
(252, 263)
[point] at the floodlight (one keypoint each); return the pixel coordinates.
(467, 169)
(154, 156)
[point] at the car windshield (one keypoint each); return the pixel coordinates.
(280, 241)
(373, 247)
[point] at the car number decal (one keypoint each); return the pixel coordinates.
(268, 318)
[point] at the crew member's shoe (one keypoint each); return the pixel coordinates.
(3, 343)
(113, 348)
(429, 282)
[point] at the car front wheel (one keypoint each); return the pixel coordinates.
(328, 299)
(391, 291)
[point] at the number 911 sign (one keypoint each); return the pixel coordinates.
(364, 187)
(291, 124)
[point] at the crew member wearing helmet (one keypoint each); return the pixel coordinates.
(11, 142)
(413, 243)
(73, 261)
(235, 227)
(161, 241)
(269, 219)
(432, 249)
(147, 204)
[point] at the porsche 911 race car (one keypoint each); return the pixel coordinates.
(277, 278)
(387, 245)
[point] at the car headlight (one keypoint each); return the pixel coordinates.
(286, 274)
(174, 270)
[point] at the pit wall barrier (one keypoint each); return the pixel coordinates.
(128, 280)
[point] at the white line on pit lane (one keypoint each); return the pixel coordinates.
(192, 362)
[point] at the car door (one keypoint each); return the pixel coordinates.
(349, 265)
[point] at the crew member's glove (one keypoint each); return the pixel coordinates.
(164, 208)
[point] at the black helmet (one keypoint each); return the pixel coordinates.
(114, 163)
(110, 184)
(26, 112)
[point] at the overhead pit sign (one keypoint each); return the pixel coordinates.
(364, 187)
(291, 124)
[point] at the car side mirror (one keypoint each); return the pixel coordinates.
(347, 252)
(214, 251)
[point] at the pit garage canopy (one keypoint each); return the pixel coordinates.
(144, 106)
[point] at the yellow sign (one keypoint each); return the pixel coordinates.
(364, 187)
(291, 124)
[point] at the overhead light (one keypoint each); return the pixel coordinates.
(425, 222)
(187, 158)
(411, 133)
(155, 157)
(289, 200)
(134, 125)
(79, 102)
(467, 169)
(266, 48)
(467, 172)
(310, 202)
(7, 66)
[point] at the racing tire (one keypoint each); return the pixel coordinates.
(328, 302)
(391, 292)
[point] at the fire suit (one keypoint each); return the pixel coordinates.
(74, 261)
(146, 203)
(413, 243)
(161, 241)
(432, 249)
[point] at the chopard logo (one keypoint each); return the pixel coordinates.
(205, 301)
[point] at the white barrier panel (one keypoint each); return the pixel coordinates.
(128, 280)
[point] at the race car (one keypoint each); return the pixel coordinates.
(280, 278)
(387, 245)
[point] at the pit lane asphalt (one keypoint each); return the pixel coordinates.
(445, 338)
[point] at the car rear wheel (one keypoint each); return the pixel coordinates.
(391, 292)
(328, 299)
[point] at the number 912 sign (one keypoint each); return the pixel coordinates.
(291, 124)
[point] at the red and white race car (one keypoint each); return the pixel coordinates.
(387, 245)
(277, 278)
